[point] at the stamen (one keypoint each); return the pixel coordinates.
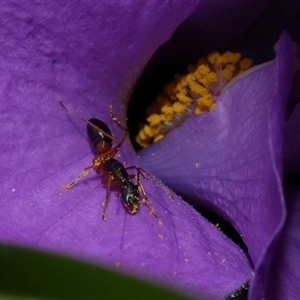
(191, 94)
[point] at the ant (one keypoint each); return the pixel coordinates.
(114, 172)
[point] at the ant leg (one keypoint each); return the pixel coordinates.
(115, 119)
(145, 197)
(97, 164)
(107, 181)
(113, 151)
(82, 174)
(146, 175)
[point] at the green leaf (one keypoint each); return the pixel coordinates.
(26, 273)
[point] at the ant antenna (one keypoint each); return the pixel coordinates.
(87, 122)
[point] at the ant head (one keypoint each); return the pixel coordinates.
(131, 197)
(100, 135)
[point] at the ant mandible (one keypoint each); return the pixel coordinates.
(112, 170)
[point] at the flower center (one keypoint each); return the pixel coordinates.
(190, 94)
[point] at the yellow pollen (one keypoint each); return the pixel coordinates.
(134, 208)
(190, 94)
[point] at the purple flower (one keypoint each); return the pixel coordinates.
(90, 55)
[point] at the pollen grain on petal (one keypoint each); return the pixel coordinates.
(191, 94)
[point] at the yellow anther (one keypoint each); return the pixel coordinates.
(191, 92)
(215, 59)
(232, 58)
(158, 137)
(151, 130)
(141, 134)
(179, 107)
(209, 79)
(142, 142)
(197, 88)
(154, 119)
(183, 98)
(202, 71)
(245, 64)
(227, 73)
(167, 110)
(204, 104)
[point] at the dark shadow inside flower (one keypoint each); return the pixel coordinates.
(222, 224)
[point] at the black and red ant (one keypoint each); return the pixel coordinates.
(114, 172)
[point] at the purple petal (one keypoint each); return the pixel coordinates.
(237, 147)
(284, 276)
(88, 54)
